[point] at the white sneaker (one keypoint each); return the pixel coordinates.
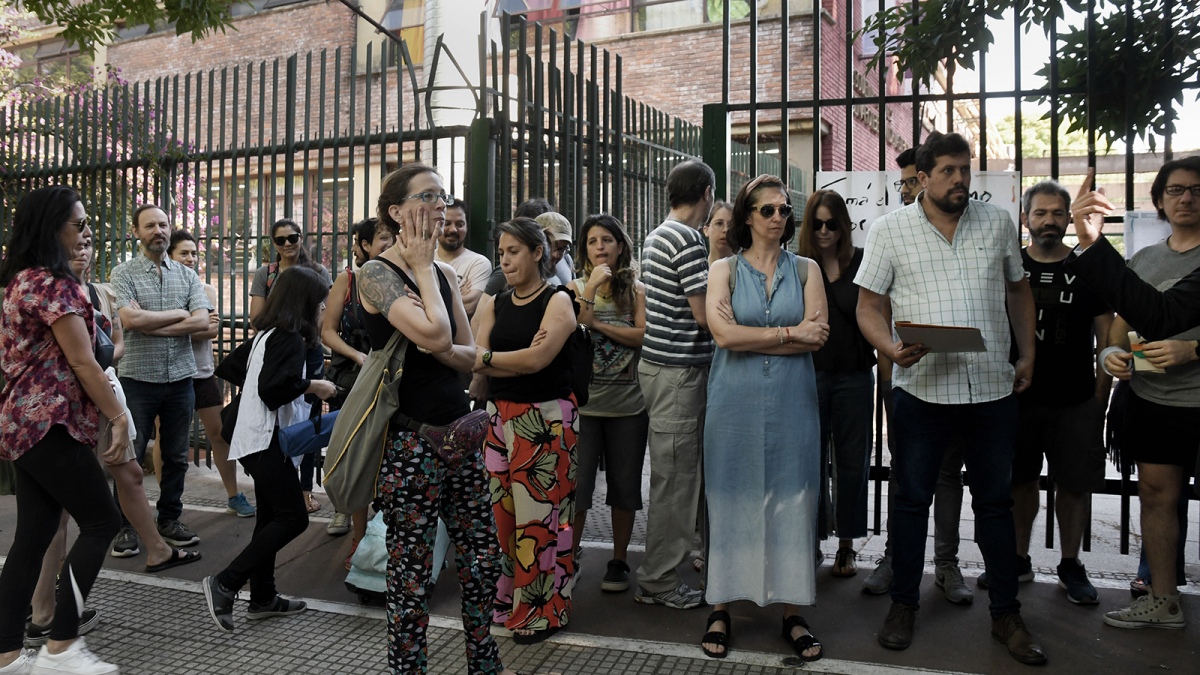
(1148, 611)
(76, 660)
(22, 665)
(339, 525)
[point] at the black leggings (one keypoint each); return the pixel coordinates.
(281, 518)
(56, 473)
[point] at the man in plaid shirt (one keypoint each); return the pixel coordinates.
(950, 260)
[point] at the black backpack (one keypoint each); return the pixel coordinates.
(579, 350)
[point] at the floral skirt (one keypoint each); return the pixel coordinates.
(530, 456)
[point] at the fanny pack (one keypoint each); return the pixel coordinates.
(453, 442)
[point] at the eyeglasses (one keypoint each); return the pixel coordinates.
(82, 223)
(768, 210)
(287, 239)
(910, 182)
(830, 225)
(1177, 190)
(431, 197)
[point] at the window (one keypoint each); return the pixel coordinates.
(406, 18)
(54, 61)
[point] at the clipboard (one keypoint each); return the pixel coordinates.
(942, 338)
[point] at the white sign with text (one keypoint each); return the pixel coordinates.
(871, 194)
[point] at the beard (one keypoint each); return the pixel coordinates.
(451, 245)
(156, 246)
(951, 202)
(1048, 236)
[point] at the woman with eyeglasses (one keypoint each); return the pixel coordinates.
(845, 385)
(54, 400)
(762, 451)
(289, 244)
(405, 289)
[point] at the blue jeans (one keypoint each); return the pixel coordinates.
(171, 403)
(847, 401)
(988, 433)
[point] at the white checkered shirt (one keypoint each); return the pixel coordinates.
(963, 283)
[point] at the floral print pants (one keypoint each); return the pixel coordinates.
(415, 488)
(530, 455)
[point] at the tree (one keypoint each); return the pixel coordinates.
(1140, 73)
(94, 22)
(1036, 134)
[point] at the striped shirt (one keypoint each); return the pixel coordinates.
(674, 268)
(963, 283)
(150, 358)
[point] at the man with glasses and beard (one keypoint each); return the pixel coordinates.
(161, 303)
(952, 261)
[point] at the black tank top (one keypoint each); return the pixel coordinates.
(514, 329)
(430, 391)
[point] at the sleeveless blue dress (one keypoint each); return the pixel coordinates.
(762, 454)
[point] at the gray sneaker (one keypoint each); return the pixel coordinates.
(678, 598)
(176, 533)
(880, 581)
(950, 579)
(125, 545)
(279, 606)
(339, 525)
(1148, 611)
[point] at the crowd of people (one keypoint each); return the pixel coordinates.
(744, 370)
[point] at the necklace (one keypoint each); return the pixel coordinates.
(531, 293)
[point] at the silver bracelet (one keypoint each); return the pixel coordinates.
(1104, 357)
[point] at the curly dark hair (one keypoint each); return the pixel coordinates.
(624, 280)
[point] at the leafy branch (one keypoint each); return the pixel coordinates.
(1136, 81)
(89, 24)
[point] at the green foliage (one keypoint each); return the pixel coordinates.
(1036, 134)
(88, 24)
(1148, 72)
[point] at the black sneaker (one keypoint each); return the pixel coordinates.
(36, 636)
(125, 545)
(1024, 572)
(1072, 577)
(279, 606)
(176, 533)
(616, 579)
(220, 603)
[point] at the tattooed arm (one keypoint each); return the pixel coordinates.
(427, 323)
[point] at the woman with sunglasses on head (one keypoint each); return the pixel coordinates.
(614, 423)
(761, 444)
(531, 442)
(54, 401)
(404, 289)
(289, 243)
(845, 384)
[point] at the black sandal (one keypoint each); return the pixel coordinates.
(804, 642)
(533, 637)
(844, 564)
(716, 637)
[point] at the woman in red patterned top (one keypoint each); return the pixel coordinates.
(50, 408)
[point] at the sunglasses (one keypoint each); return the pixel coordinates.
(82, 223)
(768, 210)
(287, 239)
(830, 225)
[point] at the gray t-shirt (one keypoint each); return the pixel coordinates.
(259, 287)
(1179, 386)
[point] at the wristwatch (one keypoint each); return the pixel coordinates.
(487, 358)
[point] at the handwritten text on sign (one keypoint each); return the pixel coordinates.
(871, 194)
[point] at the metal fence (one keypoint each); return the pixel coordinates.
(845, 100)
